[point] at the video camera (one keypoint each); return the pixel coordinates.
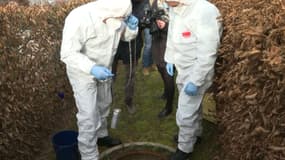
(148, 20)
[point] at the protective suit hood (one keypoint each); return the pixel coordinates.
(183, 5)
(187, 2)
(112, 8)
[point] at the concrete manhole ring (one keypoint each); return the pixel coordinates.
(138, 151)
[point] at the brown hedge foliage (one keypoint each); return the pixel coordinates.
(250, 82)
(31, 78)
(20, 2)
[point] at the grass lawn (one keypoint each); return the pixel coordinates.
(144, 125)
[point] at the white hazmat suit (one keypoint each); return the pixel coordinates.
(193, 38)
(90, 37)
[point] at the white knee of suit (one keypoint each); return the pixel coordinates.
(92, 100)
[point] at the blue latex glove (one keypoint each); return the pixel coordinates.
(169, 69)
(191, 89)
(101, 73)
(132, 22)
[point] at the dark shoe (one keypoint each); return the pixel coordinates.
(108, 141)
(179, 155)
(165, 112)
(198, 141)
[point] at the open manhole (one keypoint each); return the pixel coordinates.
(138, 151)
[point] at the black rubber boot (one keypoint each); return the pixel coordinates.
(108, 141)
(180, 155)
(175, 139)
(165, 112)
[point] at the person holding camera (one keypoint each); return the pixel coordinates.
(156, 20)
(194, 35)
(147, 60)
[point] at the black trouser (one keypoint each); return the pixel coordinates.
(158, 50)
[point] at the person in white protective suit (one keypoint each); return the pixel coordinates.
(90, 39)
(193, 39)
